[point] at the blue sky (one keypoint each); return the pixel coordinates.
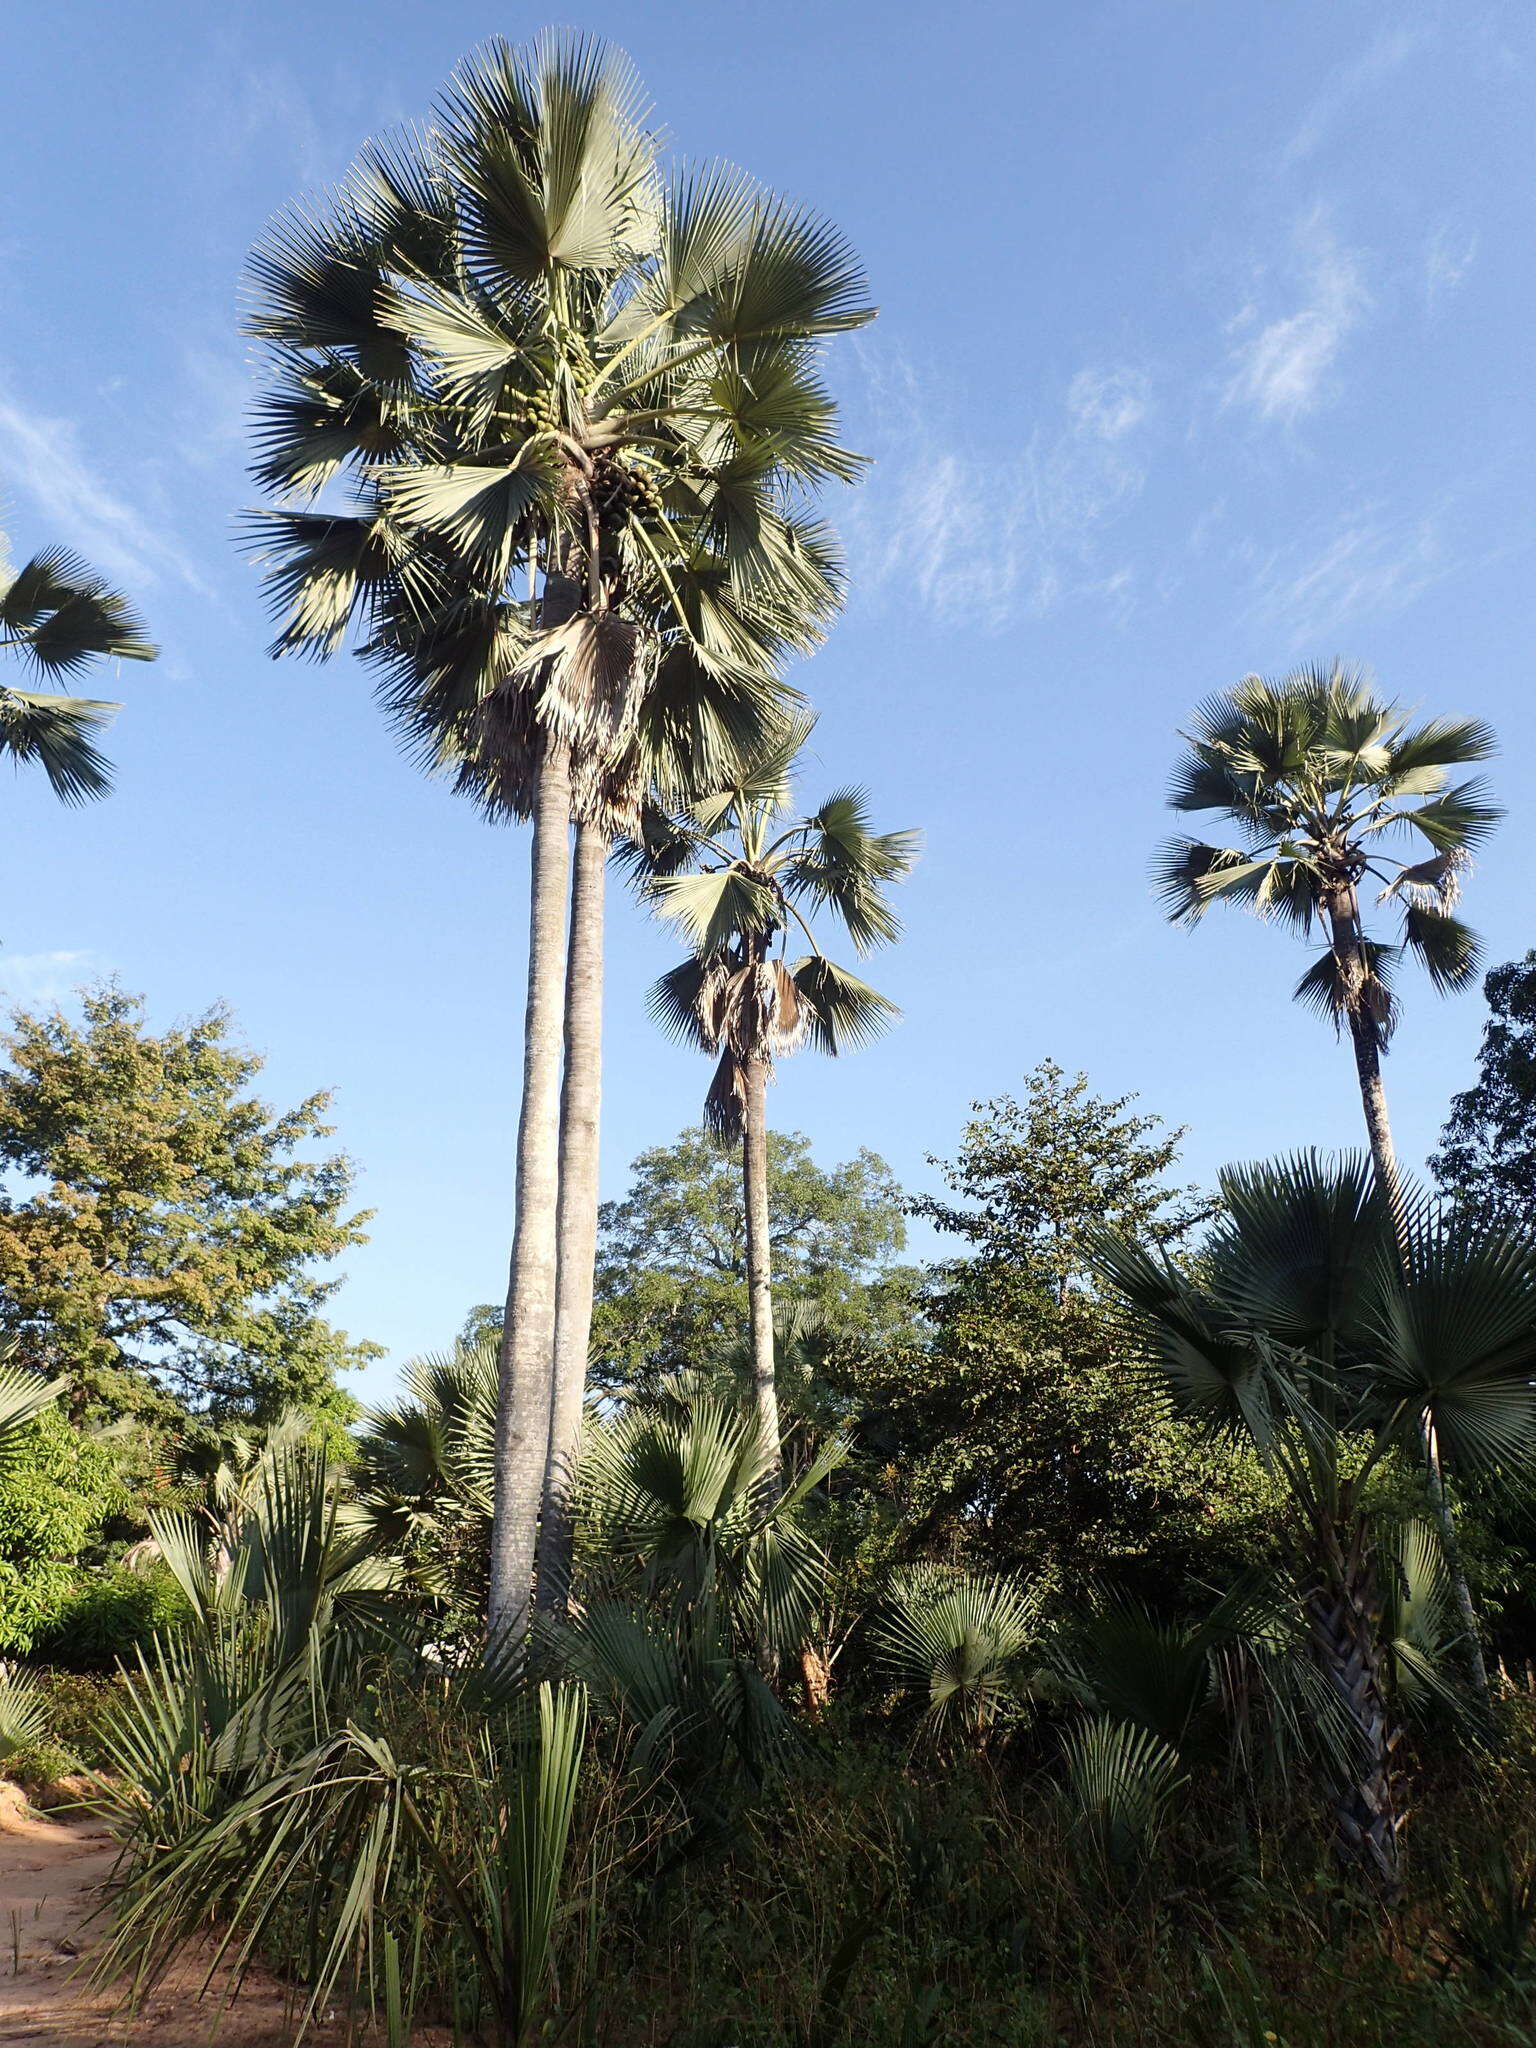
(1205, 347)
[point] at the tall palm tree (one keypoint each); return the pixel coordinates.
(578, 403)
(739, 874)
(1319, 774)
(60, 617)
(1330, 1332)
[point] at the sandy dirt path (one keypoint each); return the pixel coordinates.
(52, 1867)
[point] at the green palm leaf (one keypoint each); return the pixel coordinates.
(842, 1011)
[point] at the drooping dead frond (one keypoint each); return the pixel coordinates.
(725, 1106)
(787, 1023)
(1431, 884)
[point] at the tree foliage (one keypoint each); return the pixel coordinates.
(1319, 777)
(672, 1255)
(60, 618)
(57, 1485)
(1487, 1157)
(1035, 1177)
(1006, 1432)
(165, 1235)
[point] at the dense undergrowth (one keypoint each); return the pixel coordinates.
(868, 1891)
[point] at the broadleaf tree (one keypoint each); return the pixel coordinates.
(165, 1233)
(1487, 1157)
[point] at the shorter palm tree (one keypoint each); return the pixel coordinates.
(60, 617)
(1332, 1332)
(1318, 774)
(737, 872)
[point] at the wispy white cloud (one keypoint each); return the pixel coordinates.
(1448, 257)
(1281, 367)
(41, 457)
(45, 977)
(1390, 51)
(1373, 563)
(1108, 403)
(971, 535)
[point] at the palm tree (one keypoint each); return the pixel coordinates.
(1318, 774)
(579, 406)
(737, 872)
(58, 615)
(1332, 1332)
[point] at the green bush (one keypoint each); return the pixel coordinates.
(108, 1615)
(56, 1487)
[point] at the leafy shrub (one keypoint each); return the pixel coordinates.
(109, 1615)
(55, 1489)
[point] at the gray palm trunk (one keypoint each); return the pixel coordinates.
(754, 1167)
(1344, 1615)
(1344, 921)
(527, 1339)
(580, 1107)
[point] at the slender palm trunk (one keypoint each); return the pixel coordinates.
(1366, 1032)
(1344, 1616)
(1373, 1098)
(580, 1105)
(1455, 1565)
(527, 1339)
(754, 1162)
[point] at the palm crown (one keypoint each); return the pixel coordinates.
(1319, 774)
(59, 616)
(738, 873)
(534, 355)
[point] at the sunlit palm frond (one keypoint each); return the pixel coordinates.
(962, 1640)
(841, 1011)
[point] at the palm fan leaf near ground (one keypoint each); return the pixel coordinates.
(1333, 1332)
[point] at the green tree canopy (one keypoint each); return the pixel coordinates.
(1487, 1157)
(1006, 1431)
(57, 1485)
(1010, 1438)
(1035, 1177)
(672, 1254)
(162, 1225)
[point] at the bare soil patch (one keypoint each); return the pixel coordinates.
(52, 1868)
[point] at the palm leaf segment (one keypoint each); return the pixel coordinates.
(1319, 775)
(58, 616)
(576, 409)
(737, 872)
(1316, 1322)
(682, 1494)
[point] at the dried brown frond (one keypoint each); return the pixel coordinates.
(725, 1106)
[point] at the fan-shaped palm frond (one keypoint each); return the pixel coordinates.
(961, 1638)
(61, 618)
(1335, 1328)
(684, 1494)
(1121, 1779)
(23, 1397)
(23, 1712)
